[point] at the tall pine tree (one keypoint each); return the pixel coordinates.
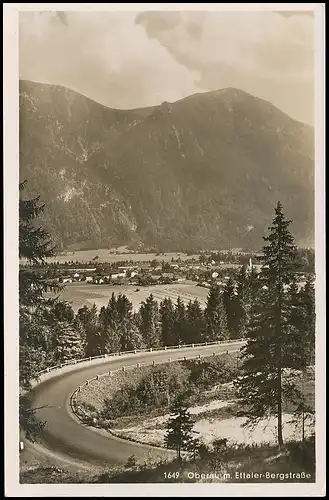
(68, 343)
(195, 323)
(109, 327)
(88, 320)
(215, 316)
(130, 338)
(302, 338)
(35, 246)
(150, 322)
(247, 289)
(232, 309)
(167, 318)
(307, 320)
(180, 322)
(268, 350)
(179, 427)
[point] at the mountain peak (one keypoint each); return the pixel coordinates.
(191, 174)
(227, 94)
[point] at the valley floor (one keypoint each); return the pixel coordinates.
(81, 294)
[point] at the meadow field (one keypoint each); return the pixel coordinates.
(106, 255)
(81, 294)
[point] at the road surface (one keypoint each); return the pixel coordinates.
(66, 435)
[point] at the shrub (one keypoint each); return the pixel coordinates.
(131, 461)
(220, 445)
(302, 453)
(153, 390)
(123, 403)
(156, 388)
(211, 371)
(203, 451)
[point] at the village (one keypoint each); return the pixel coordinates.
(146, 273)
(208, 268)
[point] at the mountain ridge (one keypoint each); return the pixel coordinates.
(204, 171)
(145, 109)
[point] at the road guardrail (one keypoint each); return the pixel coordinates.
(135, 351)
(76, 408)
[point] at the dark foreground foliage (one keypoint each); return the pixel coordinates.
(236, 461)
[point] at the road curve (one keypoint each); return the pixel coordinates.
(63, 432)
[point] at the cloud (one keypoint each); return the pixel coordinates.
(130, 59)
(106, 56)
(264, 53)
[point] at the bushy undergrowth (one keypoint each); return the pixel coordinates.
(159, 385)
(222, 457)
(232, 459)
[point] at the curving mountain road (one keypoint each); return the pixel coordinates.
(66, 435)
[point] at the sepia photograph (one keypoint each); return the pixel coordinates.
(164, 225)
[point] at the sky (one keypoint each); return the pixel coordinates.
(129, 59)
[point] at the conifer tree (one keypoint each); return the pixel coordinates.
(268, 350)
(247, 288)
(130, 337)
(150, 322)
(302, 341)
(308, 317)
(62, 311)
(35, 246)
(35, 347)
(167, 318)
(179, 427)
(88, 319)
(109, 327)
(195, 323)
(215, 316)
(118, 331)
(242, 285)
(253, 283)
(68, 344)
(180, 321)
(232, 309)
(244, 298)
(295, 350)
